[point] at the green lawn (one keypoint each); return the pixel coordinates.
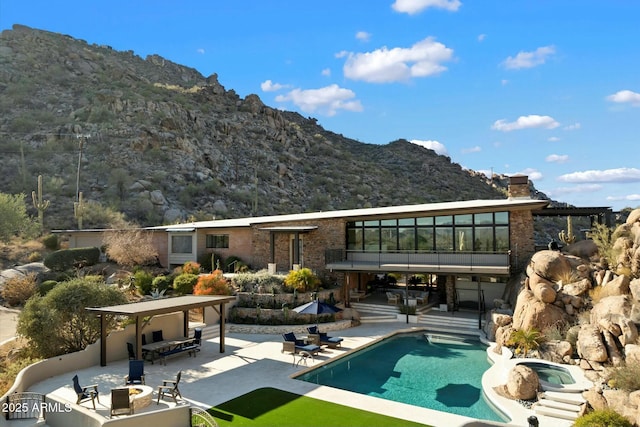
(268, 407)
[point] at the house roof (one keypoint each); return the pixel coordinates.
(425, 209)
(162, 306)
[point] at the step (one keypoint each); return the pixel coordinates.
(558, 396)
(555, 413)
(375, 318)
(558, 405)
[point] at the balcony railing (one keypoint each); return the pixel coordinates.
(412, 260)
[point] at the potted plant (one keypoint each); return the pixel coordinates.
(407, 313)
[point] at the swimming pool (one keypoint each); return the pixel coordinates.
(445, 376)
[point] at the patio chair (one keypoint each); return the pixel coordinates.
(170, 388)
(331, 342)
(131, 351)
(393, 298)
(294, 345)
(197, 338)
(120, 402)
(85, 393)
(156, 336)
(136, 373)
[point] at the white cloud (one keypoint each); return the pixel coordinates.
(385, 65)
(201, 51)
(269, 86)
(475, 149)
(436, 146)
(533, 174)
(526, 122)
(553, 139)
(607, 175)
(326, 100)
(481, 37)
(504, 82)
(363, 36)
(589, 188)
(628, 197)
(326, 72)
(624, 97)
(412, 7)
(574, 126)
(557, 158)
(529, 59)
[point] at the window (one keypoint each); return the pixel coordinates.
(217, 241)
(181, 244)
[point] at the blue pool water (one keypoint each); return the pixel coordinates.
(407, 368)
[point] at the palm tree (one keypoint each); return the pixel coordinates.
(526, 340)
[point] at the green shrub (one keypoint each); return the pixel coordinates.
(602, 418)
(35, 257)
(50, 241)
(46, 286)
(408, 309)
(302, 280)
(143, 281)
(184, 283)
(161, 283)
(68, 258)
(250, 282)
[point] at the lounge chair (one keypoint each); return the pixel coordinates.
(393, 298)
(294, 345)
(120, 402)
(331, 342)
(136, 373)
(85, 393)
(170, 388)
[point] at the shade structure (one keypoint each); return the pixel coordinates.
(316, 307)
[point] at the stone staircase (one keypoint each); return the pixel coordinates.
(559, 405)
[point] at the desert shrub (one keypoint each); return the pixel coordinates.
(191, 267)
(184, 283)
(143, 281)
(161, 283)
(51, 242)
(525, 340)
(46, 286)
(131, 247)
(19, 289)
(212, 284)
(602, 418)
(66, 259)
(209, 261)
(301, 280)
(9, 374)
(251, 282)
(34, 257)
(626, 377)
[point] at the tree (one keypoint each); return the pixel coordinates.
(58, 323)
(526, 340)
(131, 247)
(14, 220)
(302, 280)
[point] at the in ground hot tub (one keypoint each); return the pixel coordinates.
(553, 374)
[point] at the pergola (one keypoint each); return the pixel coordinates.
(140, 310)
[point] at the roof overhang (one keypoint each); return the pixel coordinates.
(349, 266)
(162, 306)
(290, 228)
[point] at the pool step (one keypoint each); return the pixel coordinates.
(566, 406)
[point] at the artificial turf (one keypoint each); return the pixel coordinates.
(268, 407)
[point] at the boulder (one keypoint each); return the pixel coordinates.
(632, 353)
(617, 286)
(532, 313)
(578, 288)
(582, 249)
(634, 287)
(615, 357)
(619, 304)
(522, 383)
(551, 265)
(590, 345)
(595, 399)
(542, 288)
(555, 351)
(633, 217)
(629, 331)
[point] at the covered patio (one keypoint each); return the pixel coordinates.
(147, 309)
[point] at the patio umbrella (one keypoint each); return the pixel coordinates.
(316, 307)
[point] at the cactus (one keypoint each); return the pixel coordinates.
(567, 237)
(38, 203)
(78, 210)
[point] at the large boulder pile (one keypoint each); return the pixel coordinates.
(589, 303)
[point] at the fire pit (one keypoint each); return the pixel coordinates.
(140, 395)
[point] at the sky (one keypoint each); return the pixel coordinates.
(549, 89)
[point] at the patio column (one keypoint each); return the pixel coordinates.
(185, 323)
(222, 327)
(103, 340)
(138, 337)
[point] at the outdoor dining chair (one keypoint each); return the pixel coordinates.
(120, 402)
(136, 373)
(170, 388)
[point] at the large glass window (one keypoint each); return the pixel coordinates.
(181, 244)
(480, 232)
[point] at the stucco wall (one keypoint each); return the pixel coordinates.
(240, 243)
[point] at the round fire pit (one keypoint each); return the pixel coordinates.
(140, 395)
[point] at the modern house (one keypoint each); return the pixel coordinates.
(466, 245)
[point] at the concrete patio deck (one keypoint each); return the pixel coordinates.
(251, 361)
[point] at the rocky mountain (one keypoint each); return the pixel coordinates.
(161, 143)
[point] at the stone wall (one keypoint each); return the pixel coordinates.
(522, 241)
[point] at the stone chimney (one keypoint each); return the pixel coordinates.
(519, 187)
